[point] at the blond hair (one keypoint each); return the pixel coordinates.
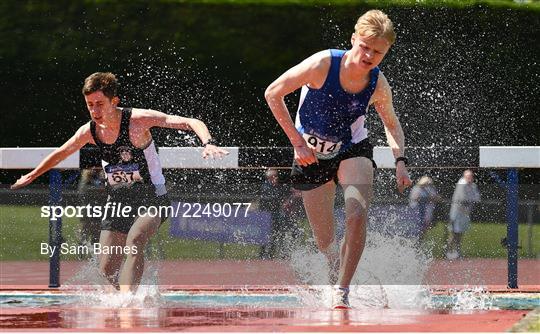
(375, 23)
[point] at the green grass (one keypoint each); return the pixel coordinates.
(484, 240)
(22, 230)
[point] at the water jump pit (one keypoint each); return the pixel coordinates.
(265, 308)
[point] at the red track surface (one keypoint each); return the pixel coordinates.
(491, 272)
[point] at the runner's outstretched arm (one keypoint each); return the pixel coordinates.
(153, 118)
(79, 139)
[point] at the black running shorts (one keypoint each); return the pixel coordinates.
(315, 175)
(140, 197)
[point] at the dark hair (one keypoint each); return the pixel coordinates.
(101, 81)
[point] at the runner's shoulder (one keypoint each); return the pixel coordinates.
(84, 134)
(143, 113)
(316, 68)
(84, 130)
(320, 60)
(146, 116)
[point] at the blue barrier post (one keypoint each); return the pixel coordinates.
(55, 228)
(512, 226)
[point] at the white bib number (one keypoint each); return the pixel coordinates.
(123, 174)
(325, 149)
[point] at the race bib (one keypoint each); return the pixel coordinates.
(123, 174)
(324, 149)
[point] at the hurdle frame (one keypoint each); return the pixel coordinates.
(259, 158)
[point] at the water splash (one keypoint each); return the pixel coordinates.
(146, 296)
(168, 79)
(472, 298)
(95, 291)
(389, 274)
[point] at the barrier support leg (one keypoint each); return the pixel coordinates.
(55, 228)
(512, 227)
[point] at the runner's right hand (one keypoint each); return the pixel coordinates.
(305, 155)
(23, 181)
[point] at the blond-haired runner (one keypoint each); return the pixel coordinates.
(133, 173)
(331, 142)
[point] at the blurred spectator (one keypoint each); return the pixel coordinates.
(292, 213)
(272, 197)
(285, 205)
(423, 198)
(465, 196)
(292, 207)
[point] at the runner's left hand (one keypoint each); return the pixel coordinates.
(212, 151)
(402, 176)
